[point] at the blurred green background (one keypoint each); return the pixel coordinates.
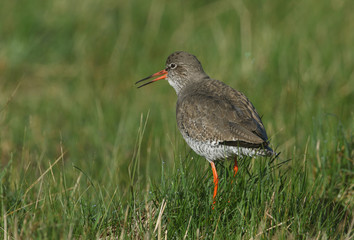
(67, 74)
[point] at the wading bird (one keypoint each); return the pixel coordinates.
(216, 121)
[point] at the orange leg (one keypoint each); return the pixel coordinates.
(216, 180)
(235, 166)
(235, 169)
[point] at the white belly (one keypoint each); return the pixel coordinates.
(213, 151)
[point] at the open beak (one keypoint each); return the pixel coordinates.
(163, 73)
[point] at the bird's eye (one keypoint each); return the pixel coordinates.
(173, 65)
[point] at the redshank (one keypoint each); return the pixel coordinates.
(217, 121)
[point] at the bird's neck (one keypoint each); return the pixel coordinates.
(180, 84)
(177, 85)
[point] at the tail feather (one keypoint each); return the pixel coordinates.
(267, 151)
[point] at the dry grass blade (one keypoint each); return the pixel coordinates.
(5, 223)
(349, 234)
(37, 201)
(11, 97)
(186, 234)
(272, 227)
(124, 224)
(158, 222)
(46, 171)
(216, 228)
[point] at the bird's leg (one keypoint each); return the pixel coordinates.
(235, 169)
(216, 180)
(235, 166)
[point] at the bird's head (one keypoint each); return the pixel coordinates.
(181, 69)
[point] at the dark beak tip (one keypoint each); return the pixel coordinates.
(145, 84)
(143, 79)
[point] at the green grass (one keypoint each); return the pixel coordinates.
(84, 154)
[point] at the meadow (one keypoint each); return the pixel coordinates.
(84, 154)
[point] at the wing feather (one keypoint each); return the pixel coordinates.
(217, 113)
